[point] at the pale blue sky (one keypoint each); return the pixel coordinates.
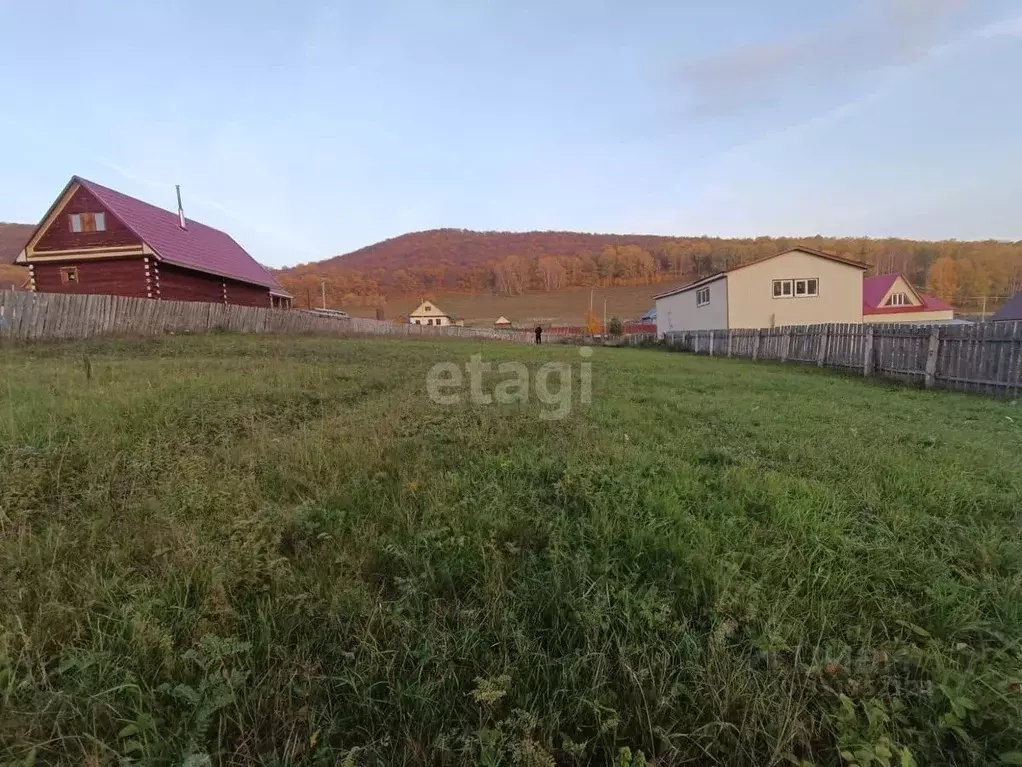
(311, 128)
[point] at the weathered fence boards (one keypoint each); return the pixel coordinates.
(45, 316)
(983, 358)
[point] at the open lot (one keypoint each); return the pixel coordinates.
(279, 550)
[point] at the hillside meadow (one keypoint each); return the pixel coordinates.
(244, 550)
(564, 307)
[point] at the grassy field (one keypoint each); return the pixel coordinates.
(562, 307)
(238, 550)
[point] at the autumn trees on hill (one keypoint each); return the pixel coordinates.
(513, 263)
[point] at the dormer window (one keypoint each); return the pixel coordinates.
(88, 222)
(898, 299)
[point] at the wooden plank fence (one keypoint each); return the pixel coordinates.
(984, 358)
(26, 316)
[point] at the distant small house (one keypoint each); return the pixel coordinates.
(1011, 311)
(649, 316)
(502, 322)
(429, 313)
(890, 298)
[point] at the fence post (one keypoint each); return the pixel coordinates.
(755, 345)
(785, 344)
(711, 343)
(821, 354)
(931, 357)
(728, 343)
(867, 356)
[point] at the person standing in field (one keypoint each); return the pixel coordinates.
(539, 334)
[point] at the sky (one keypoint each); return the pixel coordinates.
(311, 128)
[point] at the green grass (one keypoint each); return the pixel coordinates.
(279, 551)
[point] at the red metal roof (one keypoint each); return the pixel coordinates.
(198, 247)
(875, 288)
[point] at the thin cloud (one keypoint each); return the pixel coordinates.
(878, 34)
(897, 75)
(264, 232)
(165, 187)
(729, 176)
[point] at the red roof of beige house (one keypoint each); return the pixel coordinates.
(875, 288)
(198, 247)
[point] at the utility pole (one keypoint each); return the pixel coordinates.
(983, 315)
(604, 316)
(322, 285)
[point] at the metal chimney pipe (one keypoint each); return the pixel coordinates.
(180, 210)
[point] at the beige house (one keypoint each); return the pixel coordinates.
(429, 313)
(890, 298)
(801, 286)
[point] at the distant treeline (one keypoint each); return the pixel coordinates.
(968, 274)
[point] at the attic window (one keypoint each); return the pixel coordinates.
(897, 299)
(69, 275)
(427, 308)
(88, 222)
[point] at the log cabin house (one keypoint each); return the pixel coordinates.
(97, 240)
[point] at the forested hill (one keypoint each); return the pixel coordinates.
(512, 263)
(13, 238)
(463, 247)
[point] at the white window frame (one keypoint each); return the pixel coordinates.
(898, 299)
(702, 297)
(793, 284)
(790, 283)
(98, 220)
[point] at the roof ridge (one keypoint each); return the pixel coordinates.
(197, 246)
(93, 185)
